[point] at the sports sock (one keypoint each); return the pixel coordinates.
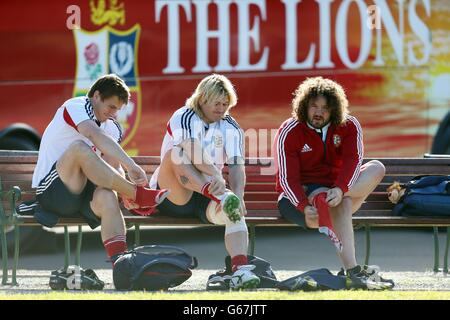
(325, 223)
(237, 261)
(206, 193)
(146, 197)
(115, 246)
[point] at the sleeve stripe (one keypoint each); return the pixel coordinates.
(90, 111)
(88, 108)
(189, 123)
(169, 130)
(282, 162)
(118, 128)
(68, 119)
(186, 114)
(360, 151)
(182, 123)
(233, 122)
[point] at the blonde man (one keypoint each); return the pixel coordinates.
(201, 137)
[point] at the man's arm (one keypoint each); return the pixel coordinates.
(287, 144)
(352, 153)
(112, 150)
(237, 179)
(199, 158)
(115, 164)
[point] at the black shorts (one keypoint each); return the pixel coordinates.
(194, 208)
(290, 212)
(53, 196)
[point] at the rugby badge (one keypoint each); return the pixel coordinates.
(337, 140)
(108, 50)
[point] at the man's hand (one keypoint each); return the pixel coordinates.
(311, 217)
(217, 186)
(137, 175)
(334, 196)
(129, 204)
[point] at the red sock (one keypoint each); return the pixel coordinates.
(325, 223)
(237, 261)
(115, 246)
(206, 193)
(147, 198)
(320, 202)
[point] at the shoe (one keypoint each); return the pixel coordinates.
(230, 205)
(244, 278)
(374, 272)
(367, 277)
(150, 198)
(219, 281)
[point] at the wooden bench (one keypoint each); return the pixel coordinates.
(16, 168)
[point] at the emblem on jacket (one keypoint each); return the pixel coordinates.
(218, 141)
(337, 140)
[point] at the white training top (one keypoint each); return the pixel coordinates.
(62, 132)
(222, 140)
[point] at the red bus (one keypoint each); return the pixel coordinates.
(390, 56)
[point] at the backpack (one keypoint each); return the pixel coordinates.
(221, 279)
(153, 267)
(75, 278)
(425, 194)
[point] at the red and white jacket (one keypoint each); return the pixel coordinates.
(302, 158)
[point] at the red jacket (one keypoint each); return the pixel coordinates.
(302, 157)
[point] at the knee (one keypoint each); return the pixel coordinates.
(105, 202)
(379, 169)
(79, 148)
(343, 209)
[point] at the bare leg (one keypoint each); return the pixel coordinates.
(106, 206)
(236, 243)
(341, 217)
(370, 177)
(182, 178)
(79, 163)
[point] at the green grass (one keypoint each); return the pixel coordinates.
(253, 295)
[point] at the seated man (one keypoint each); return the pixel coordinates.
(200, 138)
(320, 176)
(79, 169)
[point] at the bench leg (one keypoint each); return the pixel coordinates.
(4, 255)
(66, 247)
(16, 254)
(367, 229)
(436, 249)
(252, 236)
(137, 235)
(79, 242)
(446, 251)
